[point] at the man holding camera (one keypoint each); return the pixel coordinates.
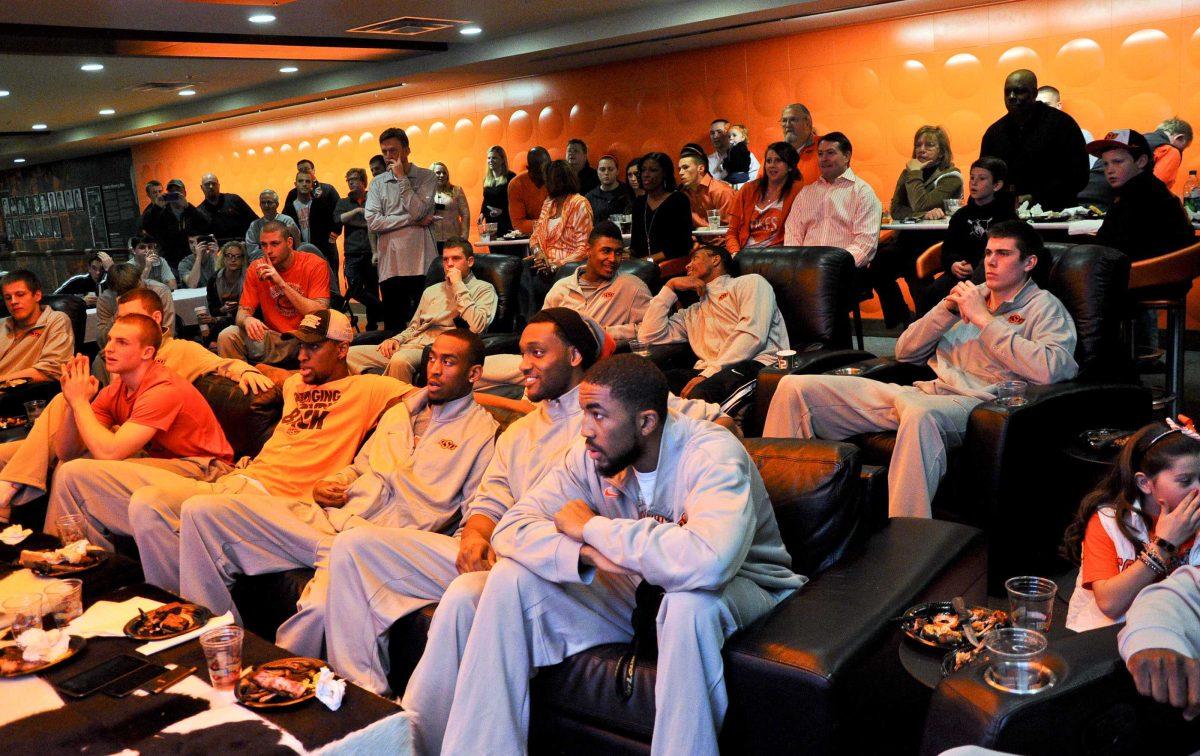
(200, 267)
(178, 220)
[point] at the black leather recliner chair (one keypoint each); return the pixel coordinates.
(1012, 477)
(503, 272)
(12, 400)
(635, 266)
(805, 676)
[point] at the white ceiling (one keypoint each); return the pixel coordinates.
(519, 38)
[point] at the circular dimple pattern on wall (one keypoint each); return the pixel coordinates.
(345, 141)
(616, 115)
(1193, 47)
(416, 139)
(323, 142)
(766, 94)
(520, 127)
(903, 129)
(652, 111)
(582, 119)
(965, 128)
(867, 140)
(1145, 54)
(550, 125)
(439, 138)
(910, 81)
(690, 107)
(364, 138)
(491, 130)
(468, 172)
(728, 97)
(1087, 113)
(811, 87)
(961, 75)
(1143, 108)
(859, 86)
(464, 134)
(1079, 62)
(1020, 57)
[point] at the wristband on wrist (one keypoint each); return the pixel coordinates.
(1155, 566)
(1165, 545)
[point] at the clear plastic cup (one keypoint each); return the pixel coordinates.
(22, 612)
(640, 348)
(1031, 602)
(70, 528)
(1011, 393)
(714, 218)
(62, 601)
(951, 206)
(223, 655)
(34, 409)
(1015, 654)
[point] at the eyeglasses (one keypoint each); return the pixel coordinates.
(234, 256)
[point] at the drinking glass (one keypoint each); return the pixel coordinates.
(1031, 601)
(70, 528)
(223, 655)
(62, 601)
(24, 612)
(34, 409)
(640, 348)
(1011, 393)
(1014, 654)
(714, 218)
(951, 205)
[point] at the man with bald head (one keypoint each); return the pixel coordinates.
(228, 214)
(1043, 147)
(797, 125)
(268, 202)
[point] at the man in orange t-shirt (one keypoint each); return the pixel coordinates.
(285, 285)
(797, 126)
(148, 415)
(527, 192)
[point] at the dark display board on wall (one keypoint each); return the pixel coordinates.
(87, 202)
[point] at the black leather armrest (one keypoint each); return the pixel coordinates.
(810, 363)
(1017, 477)
(502, 343)
(672, 356)
(891, 370)
(373, 337)
(12, 400)
(1093, 708)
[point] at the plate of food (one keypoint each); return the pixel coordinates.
(43, 649)
(15, 421)
(937, 625)
(70, 559)
(167, 621)
(13, 383)
(283, 682)
(962, 657)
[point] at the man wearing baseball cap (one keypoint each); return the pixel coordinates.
(326, 415)
(177, 220)
(1145, 219)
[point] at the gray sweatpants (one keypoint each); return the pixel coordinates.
(835, 407)
(222, 536)
(233, 343)
(402, 365)
(523, 622)
(381, 575)
(101, 490)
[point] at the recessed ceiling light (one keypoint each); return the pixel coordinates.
(186, 92)
(261, 18)
(39, 127)
(92, 67)
(18, 160)
(107, 111)
(470, 31)
(4, 93)
(289, 69)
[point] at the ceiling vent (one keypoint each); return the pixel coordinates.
(407, 26)
(165, 86)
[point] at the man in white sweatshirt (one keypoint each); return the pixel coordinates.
(424, 459)
(980, 335)
(574, 549)
(735, 329)
(1161, 641)
(460, 301)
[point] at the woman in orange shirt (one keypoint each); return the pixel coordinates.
(762, 205)
(559, 236)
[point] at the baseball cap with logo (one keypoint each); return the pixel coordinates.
(1122, 139)
(321, 325)
(175, 184)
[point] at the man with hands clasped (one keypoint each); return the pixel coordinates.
(460, 301)
(645, 495)
(980, 335)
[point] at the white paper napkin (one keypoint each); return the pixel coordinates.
(107, 619)
(153, 647)
(1076, 228)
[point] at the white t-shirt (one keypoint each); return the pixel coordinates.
(646, 486)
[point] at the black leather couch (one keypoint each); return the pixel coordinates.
(1013, 477)
(805, 677)
(1092, 710)
(635, 266)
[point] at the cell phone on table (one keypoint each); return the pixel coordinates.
(105, 673)
(126, 684)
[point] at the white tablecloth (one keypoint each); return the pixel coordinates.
(186, 302)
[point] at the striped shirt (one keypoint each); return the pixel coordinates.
(563, 239)
(843, 213)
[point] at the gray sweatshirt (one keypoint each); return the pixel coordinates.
(1165, 615)
(1032, 338)
(533, 444)
(735, 320)
(420, 466)
(472, 300)
(708, 521)
(618, 305)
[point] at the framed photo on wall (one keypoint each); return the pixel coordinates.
(58, 200)
(69, 197)
(4, 204)
(78, 198)
(56, 227)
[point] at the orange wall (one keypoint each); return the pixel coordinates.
(1124, 63)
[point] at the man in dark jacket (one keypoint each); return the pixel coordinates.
(1145, 219)
(314, 216)
(178, 220)
(1043, 147)
(228, 214)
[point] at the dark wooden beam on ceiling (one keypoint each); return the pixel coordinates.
(39, 39)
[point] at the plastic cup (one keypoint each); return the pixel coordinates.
(1011, 393)
(785, 359)
(34, 409)
(223, 656)
(714, 218)
(62, 601)
(1015, 653)
(23, 611)
(70, 528)
(1031, 602)
(640, 348)
(951, 205)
